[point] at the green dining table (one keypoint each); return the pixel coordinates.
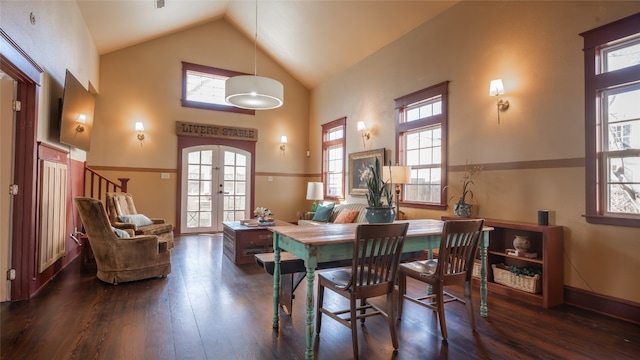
(333, 242)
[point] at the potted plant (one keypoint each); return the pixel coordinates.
(377, 211)
(461, 208)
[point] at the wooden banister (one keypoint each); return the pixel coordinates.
(97, 186)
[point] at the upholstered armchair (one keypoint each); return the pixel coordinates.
(121, 259)
(123, 215)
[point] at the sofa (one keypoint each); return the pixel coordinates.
(337, 209)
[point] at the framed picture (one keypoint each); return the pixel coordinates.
(359, 169)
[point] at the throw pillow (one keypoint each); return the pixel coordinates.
(323, 213)
(346, 216)
(137, 220)
(120, 233)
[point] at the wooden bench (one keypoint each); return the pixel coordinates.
(293, 271)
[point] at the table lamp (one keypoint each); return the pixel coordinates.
(315, 192)
(397, 175)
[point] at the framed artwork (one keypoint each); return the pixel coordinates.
(359, 169)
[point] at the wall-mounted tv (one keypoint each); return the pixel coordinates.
(76, 120)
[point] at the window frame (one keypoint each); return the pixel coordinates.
(187, 66)
(440, 89)
(326, 128)
(596, 83)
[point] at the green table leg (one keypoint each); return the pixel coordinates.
(483, 274)
(310, 307)
(276, 280)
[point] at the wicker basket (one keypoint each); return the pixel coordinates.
(476, 269)
(531, 284)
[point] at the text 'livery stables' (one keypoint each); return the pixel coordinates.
(216, 131)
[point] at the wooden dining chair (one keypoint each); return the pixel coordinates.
(458, 246)
(377, 250)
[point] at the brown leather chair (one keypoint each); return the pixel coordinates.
(376, 254)
(120, 260)
(458, 246)
(121, 205)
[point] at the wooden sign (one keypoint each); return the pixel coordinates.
(216, 131)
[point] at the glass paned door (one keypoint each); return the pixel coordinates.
(215, 187)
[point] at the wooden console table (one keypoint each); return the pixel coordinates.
(242, 242)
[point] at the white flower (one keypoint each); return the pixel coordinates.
(262, 212)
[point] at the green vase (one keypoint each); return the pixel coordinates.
(462, 210)
(380, 215)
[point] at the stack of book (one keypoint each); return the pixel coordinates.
(526, 254)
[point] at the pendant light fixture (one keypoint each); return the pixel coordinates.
(254, 92)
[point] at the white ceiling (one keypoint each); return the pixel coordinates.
(312, 39)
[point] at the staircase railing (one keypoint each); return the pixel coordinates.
(97, 186)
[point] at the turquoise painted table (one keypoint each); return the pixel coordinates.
(323, 243)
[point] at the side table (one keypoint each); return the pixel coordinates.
(242, 242)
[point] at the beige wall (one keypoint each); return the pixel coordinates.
(536, 49)
(144, 83)
(59, 40)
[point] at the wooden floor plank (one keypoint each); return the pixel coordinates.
(209, 308)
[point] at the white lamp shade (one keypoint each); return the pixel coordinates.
(361, 126)
(139, 126)
(315, 191)
(283, 139)
(82, 119)
(254, 92)
(496, 87)
(398, 174)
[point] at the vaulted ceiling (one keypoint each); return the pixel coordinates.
(312, 39)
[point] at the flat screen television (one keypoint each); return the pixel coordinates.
(76, 121)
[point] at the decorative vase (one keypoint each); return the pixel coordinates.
(521, 243)
(379, 215)
(462, 210)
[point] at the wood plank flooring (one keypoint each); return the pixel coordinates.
(209, 308)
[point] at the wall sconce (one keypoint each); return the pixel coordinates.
(497, 88)
(140, 129)
(283, 143)
(365, 135)
(81, 120)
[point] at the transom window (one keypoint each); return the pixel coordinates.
(421, 127)
(612, 122)
(203, 87)
(333, 154)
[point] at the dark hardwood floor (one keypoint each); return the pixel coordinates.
(209, 308)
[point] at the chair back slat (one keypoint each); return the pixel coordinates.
(377, 252)
(458, 246)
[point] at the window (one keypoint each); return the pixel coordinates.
(421, 125)
(612, 122)
(333, 154)
(203, 88)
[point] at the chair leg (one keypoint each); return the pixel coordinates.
(469, 304)
(318, 307)
(402, 289)
(391, 319)
(363, 302)
(440, 305)
(354, 327)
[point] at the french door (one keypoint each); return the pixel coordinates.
(216, 186)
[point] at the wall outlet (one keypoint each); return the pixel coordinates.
(164, 176)
(11, 274)
(269, 178)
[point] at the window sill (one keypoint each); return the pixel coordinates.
(611, 220)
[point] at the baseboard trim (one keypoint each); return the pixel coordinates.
(602, 304)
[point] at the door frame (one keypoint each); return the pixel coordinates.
(191, 141)
(26, 72)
